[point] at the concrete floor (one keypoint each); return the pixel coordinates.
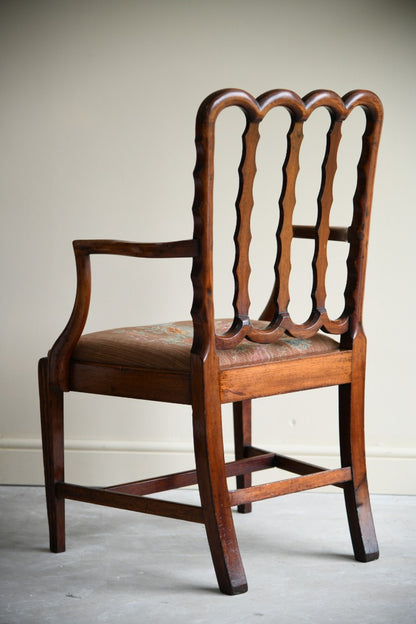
(125, 567)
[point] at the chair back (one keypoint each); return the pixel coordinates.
(356, 235)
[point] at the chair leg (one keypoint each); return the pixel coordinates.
(51, 410)
(357, 499)
(242, 439)
(219, 525)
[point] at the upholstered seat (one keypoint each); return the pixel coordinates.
(168, 347)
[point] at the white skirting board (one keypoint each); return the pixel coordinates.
(98, 462)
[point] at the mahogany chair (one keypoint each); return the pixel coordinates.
(206, 363)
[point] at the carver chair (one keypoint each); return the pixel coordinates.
(206, 362)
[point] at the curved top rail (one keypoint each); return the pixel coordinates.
(301, 108)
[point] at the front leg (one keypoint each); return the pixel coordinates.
(51, 410)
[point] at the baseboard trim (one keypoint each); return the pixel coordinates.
(391, 470)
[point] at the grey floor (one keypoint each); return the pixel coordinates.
(125, 567)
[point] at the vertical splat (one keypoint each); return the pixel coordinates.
(325, 198)
(242, 235)
(287, 203)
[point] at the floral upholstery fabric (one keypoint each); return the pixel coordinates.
(168, 346)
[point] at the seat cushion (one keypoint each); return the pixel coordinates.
(167, 347)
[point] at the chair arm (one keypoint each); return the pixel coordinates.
(172, 249)
(61, 352)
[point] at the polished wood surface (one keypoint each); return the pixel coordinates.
(205, 385)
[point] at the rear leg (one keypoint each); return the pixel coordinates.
(357, 499)
(242, 439)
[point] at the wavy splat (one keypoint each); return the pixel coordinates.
(244, 206)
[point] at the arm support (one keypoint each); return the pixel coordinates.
(60, 354)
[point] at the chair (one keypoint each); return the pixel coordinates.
(205, 362)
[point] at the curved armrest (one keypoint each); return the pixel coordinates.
(61, 352)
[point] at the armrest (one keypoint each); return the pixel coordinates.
(60, 354)
(172, 249)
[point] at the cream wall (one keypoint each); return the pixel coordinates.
(97, 104)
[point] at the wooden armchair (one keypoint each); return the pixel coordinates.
(206, 362)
